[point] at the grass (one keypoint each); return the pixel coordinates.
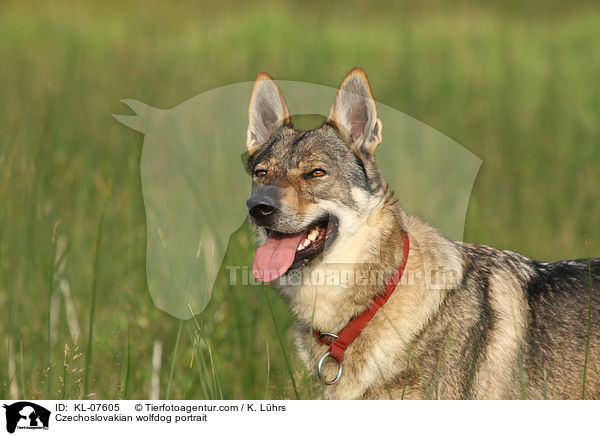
(283, 348)
(516, 84)
(90, 343)
(173, 359)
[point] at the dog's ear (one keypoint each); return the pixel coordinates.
(354, 113)
(267, 111)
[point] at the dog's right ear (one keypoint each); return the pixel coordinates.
(267, 111)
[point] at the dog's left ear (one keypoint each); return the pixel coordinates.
(355, 114)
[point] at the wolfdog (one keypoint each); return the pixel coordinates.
(386, 306)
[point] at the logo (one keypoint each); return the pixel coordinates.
(195, 187)
(26, 415)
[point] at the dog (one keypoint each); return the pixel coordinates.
(386, 306)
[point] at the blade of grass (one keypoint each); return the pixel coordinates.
(406, 372)
(282, 345)
(214, 370)
(202, 368)
(545, 374)
(88, 354)
(216, 385)
(127, 363)
(186, 303)
(22, 364)
(416, 365)
(10, 381)
(65, 373)
(268, 372)
(156, 369)
(12, 369)
(385, 383)
(53, 267)
(172, 370)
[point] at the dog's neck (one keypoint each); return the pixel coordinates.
(343, 285)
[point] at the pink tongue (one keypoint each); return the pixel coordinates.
(276, 256)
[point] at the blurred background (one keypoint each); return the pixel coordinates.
(516, 83)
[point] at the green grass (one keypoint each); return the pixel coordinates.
(516, 84)
(90, 336)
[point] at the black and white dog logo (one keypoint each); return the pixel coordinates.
(26, 415)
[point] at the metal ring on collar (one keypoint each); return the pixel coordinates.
(320, 365)
(331, 335)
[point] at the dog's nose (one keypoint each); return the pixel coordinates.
(263, 203)
(262, 209)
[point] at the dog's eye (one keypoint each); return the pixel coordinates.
(260, 173)
(318, 172)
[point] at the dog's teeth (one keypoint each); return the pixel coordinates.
(310, 238)
(303, 245)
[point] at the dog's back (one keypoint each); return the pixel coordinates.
(514, 328)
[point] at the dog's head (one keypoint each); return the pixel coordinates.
(310, 188)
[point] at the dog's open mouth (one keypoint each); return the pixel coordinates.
(283, 252)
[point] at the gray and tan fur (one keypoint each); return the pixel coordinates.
(494, 325)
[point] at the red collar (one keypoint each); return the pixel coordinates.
(356, 325)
